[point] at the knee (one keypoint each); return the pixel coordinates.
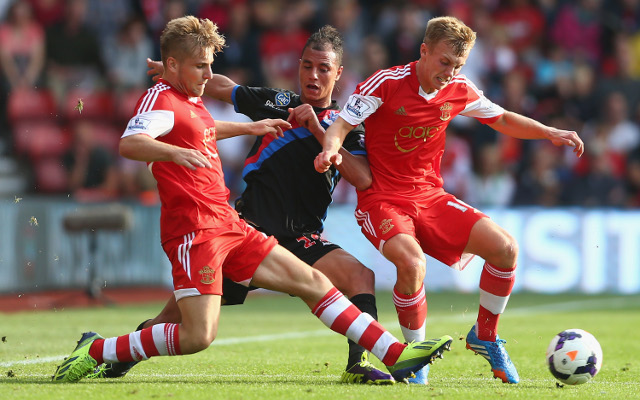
(412, 267)
(194, 342)
(203, 341)
(356, 280)
(509, 253)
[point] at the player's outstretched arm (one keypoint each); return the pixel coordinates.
(142, 147)
(332, 142)
(272, 127)
(355, 169)
(522, 127)
(219, 87)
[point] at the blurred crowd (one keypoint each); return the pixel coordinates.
(72, 70)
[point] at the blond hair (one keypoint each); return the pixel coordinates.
(188, 36)
(451, 30)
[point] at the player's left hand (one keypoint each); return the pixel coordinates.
(560, 137)
(156, 69)
(271, 127)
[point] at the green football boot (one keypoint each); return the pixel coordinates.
(418, 354)
(79, 363)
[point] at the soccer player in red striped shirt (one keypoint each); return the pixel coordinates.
(405, 213)
(289, 202)
(204, 237)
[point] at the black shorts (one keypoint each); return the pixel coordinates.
(309, 248)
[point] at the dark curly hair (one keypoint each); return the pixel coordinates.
(326, 38)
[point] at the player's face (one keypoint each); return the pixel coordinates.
(437, 66)
(319, 71)
(192, 73)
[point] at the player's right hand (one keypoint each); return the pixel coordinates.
(156, 69)
(305, 116)
(190, 158)
(271, 127)
(324, 160)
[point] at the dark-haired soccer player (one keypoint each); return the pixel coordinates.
(286, 197)
(203, 236)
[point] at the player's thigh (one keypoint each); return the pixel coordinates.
(381, 221)
(196, 260)
(281, 271)
(346, 273)
(403, 250)
(242, 261)
(200, 317)
(443, 230)
(493, 243)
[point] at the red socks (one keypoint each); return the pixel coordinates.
(495, 289)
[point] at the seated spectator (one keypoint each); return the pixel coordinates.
(240, 60)
(280, 47)
(456, 166)
(137, 182)
(491, 185)
(524, 25)
(541, 182)
(47, 12)
(613, 134)
(219, 12)
(598, 186)
(577, 30)
(21, 57)
(91, 166)
(73, 53)
(108, 17)
(407, 35)
(21, 47)
(126, 55)
(633, 180)
(624, 134)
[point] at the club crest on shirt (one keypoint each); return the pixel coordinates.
(283, 99)
(330, 117)
(386, 226)
(208, 275)
(138, 123)
(446, 111)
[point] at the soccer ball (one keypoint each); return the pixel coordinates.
(574, 356)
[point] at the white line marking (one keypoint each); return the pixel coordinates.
(333, 378)
(514, 312)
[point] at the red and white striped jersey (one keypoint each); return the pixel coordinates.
(405, 128)
(190, 200)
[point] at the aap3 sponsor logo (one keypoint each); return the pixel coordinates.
(408, 138)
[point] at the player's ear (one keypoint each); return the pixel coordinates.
(339, 74)
(172, 64)
(423, 50)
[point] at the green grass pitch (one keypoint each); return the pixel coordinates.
(273, 348)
